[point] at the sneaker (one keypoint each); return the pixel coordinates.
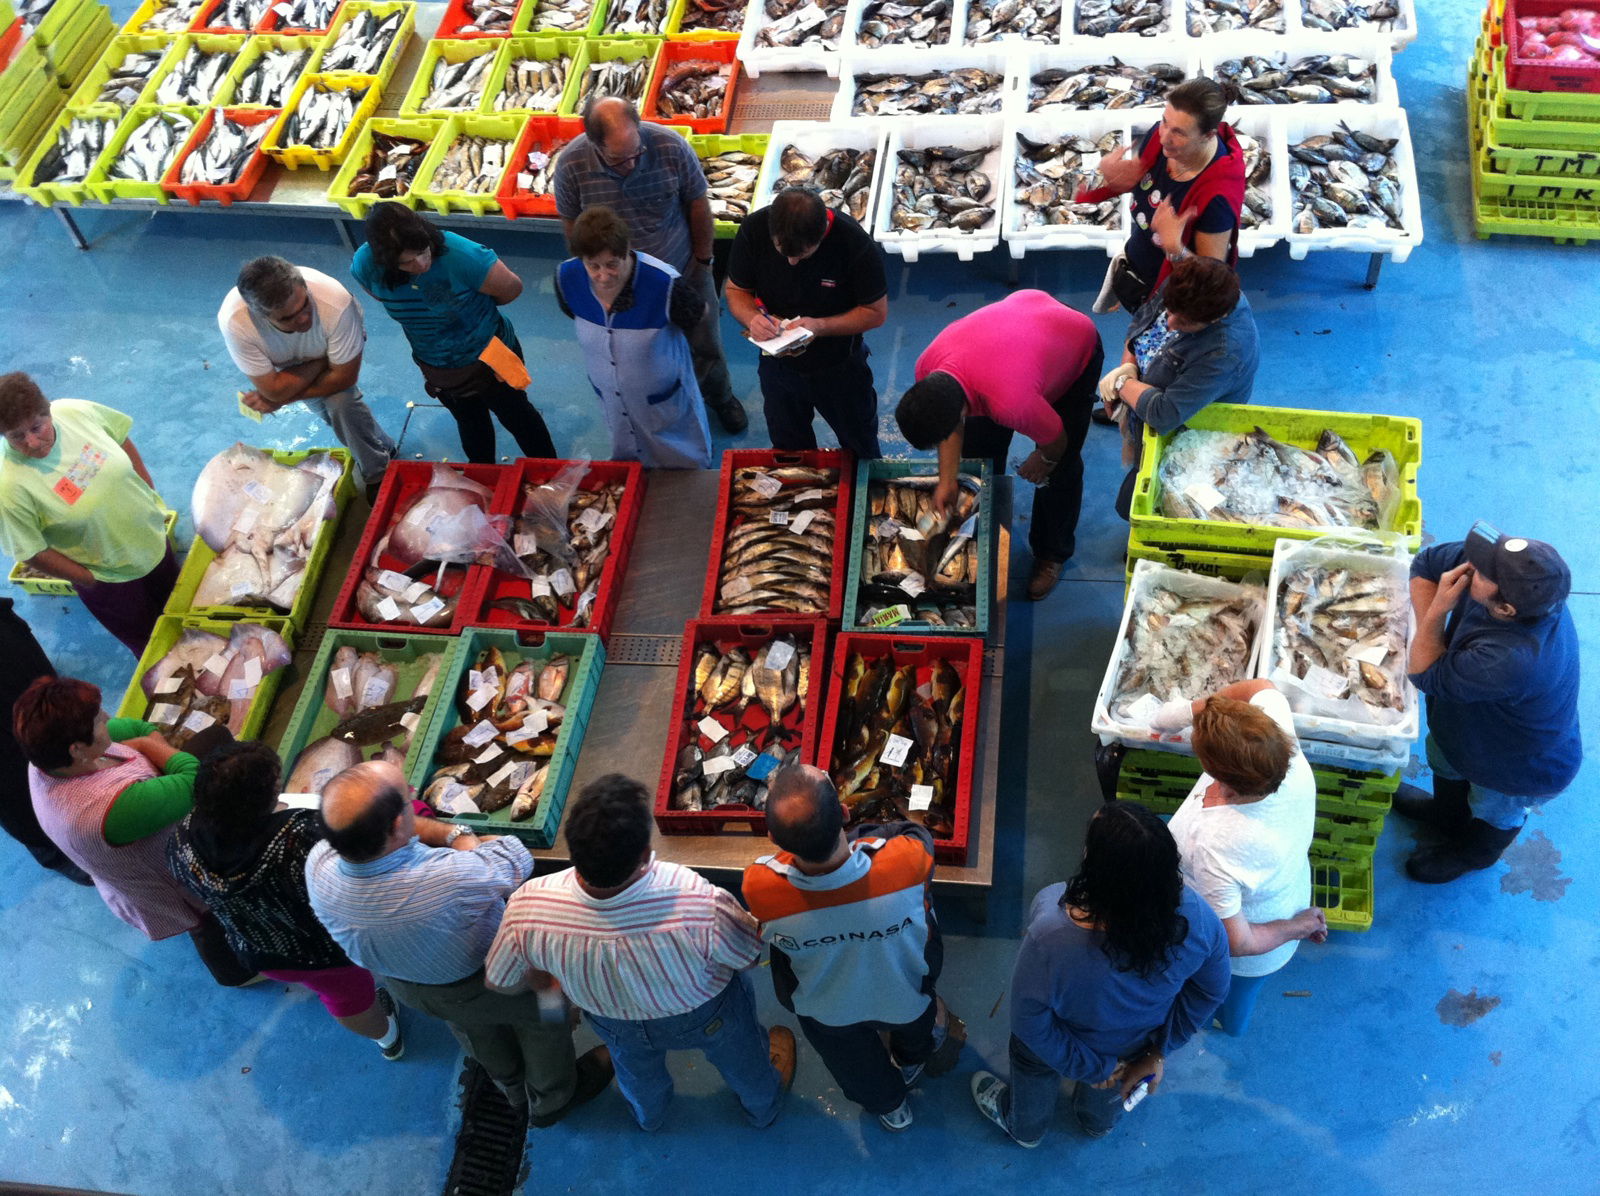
(730, 414)
(910, 1073)
(897, 1120)
(781, 1050)
(396, 1048)
(594, 1077)
(988, 1090)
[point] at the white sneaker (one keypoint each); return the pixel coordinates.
(897, 1119)
(987, 1091)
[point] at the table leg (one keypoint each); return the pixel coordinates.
(1108, 768)
(344, 234)
(1374, 264)
(71, 226)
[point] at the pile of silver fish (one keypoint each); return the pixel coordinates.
(489, 16)
(79, 144)
(363, 43)
(1183, 645)
(917, 709)
(239, 14)
(904, 23)
(205, 679)
(533, 84)
(912, 548)
(458, 86)
(1252, 477)
(565, 553)
(1328, 15)
(312, 15)
(695, 89)
(271, 78)
(731, 183)
(128, 78)
(1050, 173)
(499, 754)
(1257, 207)
(625, 80)
(758, 697)
(636, 16)
(363, 696)
(262, 520)
(990, 20)
(724, 16)
(778, 554)
(195, 78)
(1114, 84)
(1344, 633)
(323, 117)
(1312, 79)
(562, 16)
(791, 24)
(390, 166)
(1097, 18)
(842, 176)
(1346, 179)
(151, 147)
(172, 18)
(942, 187)
(225, 152)
(475, 164)
(1222, 16)
(966, 91)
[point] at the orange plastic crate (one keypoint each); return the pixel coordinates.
(676, 53)
(223, 193)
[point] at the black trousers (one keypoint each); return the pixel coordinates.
(856, 1058)
(24, 662)
(472, 393)
(1058, 501)
(844, 395)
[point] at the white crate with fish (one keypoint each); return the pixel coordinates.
(1122, 23)
(1353, 66)
(1395, 19)
(1353, 180)
(840, 159)
(1085, 76)
(1014, 23)
(902, 82)
(198, 672)
(1053, 157)
(1208, 20)
(912, 24)
(794, 35)
(1338, 641)
(1183, 636)
(940, 189)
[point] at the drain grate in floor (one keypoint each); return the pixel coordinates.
(488, 1158)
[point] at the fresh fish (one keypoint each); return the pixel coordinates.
(243, 15)
(552, 681)
(195, 77)
(614, 77)
(793, 24)
(1350, 179)
(382, 597)
(78, 146)
(696, 89)
(1097, 18)
(943, 188)
(391, 165)
(904, 23)
(910, 548)
(1049, 174)
(770, 560)
(533, 84)
(1032, 20)
(227, 149)
(730, 183)
(271, 78)
(636, 16)
(323, 117)
(319, 763)
(151, 147)
(458, 86)
(127, 80)
(562, 16)
(1328, 15)
(1310, 79)
(1183, 645)
(1345, 634)
(1108, 85)
(1222, 16)
(339, 694)
(362, 43)
(313, 16)
(415, 536)
(254, 652)
(172, 18)
(562, 536)
(489, 16)
(723, 16)
(472, 164)
(964, 91)
(376, 724)
(843, 177)
(527, 798)
(192, 651)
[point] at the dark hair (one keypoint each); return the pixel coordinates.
(608, 829)
(1202, 99)
(268, 283)
(50, 716)
(598, 230)
(1130, 886)
(20, 399)
(394, 229)
(797, 220)
(236, 787)
(1242, 746)
(803, 813)
(1201, 289)
(597, 125)
(930, 410)
(363, 838)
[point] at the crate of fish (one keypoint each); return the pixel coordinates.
(136, 158)
(195, 69)
(1084, 77)
(58, 169)
(452, 77)
(731, 165)
(618, 66)
(695, 86)
(534, 75)
(197, 672)
(1353, 180)
(382, 163)
(514, 708)
(368, 39)
(792, 35)
(366, 696)
(1551, 46)
(747, 702)
(1238, 478)
(781, 540)
(162, 16)
(705, 20)
(222, 160)
(900, 732)
(467, 19)
(571, 531)
(1211, 19)
(30, 581)
(528, 188)
(123, 76)
(1234, 566)
(575, 18)
(265, 522)
(468, 163)
(270, 69)
(22, 128)
(634, 18)
(1053, 158)
(961, 81)
(1395, 19)
(1011, 22)
(1343, 890)
(321, 120)
(231, 16)
(1123, 23)
(1264, 215)
(1183, 636)
(944, 193)
(912, 566)
(1352, 66)
(299, 16)
(840, 159)
(914, 24)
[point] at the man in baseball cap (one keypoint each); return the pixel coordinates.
(1497, 656)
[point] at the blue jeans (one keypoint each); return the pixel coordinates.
(1234, 1015)
(1030, 1099)
(1497, 809)
(724, 1028)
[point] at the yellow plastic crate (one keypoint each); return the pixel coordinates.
(451, 51)
(105, 189)
(31, 582)
(47, 194)
(524, 22)
(674, 27)
(543, 48)
(611, 49)
(296, 156)
(88, 90)
(706, 145)
(421, 128)
(22, 127)
(207, 43)
(135, 23)
(507, 128)
(381, 9)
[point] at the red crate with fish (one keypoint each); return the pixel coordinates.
(780, 549)
(478, 18)
(424, 511)
(249, 175)
(738, 679)
(695, 85)
(597, 521)
(1552, 45)
(900, 732)
(531, 192)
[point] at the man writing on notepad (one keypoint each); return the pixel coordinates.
(796, 264)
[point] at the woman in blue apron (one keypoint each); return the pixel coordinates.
(631, 312)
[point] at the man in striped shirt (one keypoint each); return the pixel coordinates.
(651, 952)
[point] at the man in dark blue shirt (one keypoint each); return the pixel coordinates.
(1496, 654)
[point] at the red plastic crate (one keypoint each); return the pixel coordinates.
(223, 193)
(735, 459)
(966, 657)
(675, 53)
(491, 584)
(11, 39)
(401, 481)
(1541, 74)
(271, 23)
(455, 16)
(726, 634)
(548, 133)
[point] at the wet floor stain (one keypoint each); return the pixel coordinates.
(1462, 1009)
(1533, 866)
(1494, 1057)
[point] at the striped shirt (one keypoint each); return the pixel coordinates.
(423, 914)
(666, 944)
(651, 198)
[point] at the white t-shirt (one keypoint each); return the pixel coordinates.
(337, 330)
(1252, 859)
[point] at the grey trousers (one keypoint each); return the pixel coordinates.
(353, 423)
(705, 340)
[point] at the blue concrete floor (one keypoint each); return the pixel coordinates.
(123, 1068)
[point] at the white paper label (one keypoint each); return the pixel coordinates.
(525, 732)
(252, 671)
(524, 181)
(388, 173)
(525, 544)
(539, 587)
(779, 654)
(536, 722)
(428, 609)
(489, 754)
(474, 680)
(375, 693)
(415, 591)
(217, 665)
(718, 765)
(737, 587)
(911, 533)
(712, 729)
(342, 687)
(886, 528)
(802, 521)
(1373, 655)
(1143, 710)
(390, 580)
(455, 802)
(894, 752)
(810, 496)
(913, 584)
(198, 720)
(170, 686)
(1205, 495)
(300, 801)
(246, 523)
(921, 797)
(258, 492)
(744, 757)
(480, 735)
(781, 518)
(561, 582)
(240, 689)
(164, 713)
(388, 610)
(1325, 682)
(591, 521)
(765, 485)
(481, 697)
(410, 719)
(501, 774)
(522, 772)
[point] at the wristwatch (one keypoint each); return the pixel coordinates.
(455, 833)
(705, 261)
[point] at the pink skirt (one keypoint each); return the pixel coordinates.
(344, 992)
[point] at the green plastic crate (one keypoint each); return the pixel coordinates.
(1232, 565)
(22, 127)
(422, 128)
(65, 17)
(169, 629)
(706, 145)
(200, 555)
(1346, 836)
(312, 719)
(508, 128)
(870, 471)
(454, 51)
(110, 58)
(1341, 792)
(80, 48)
(382, 10)
(543, 47)
(105, 189)
(587, 653)
(46, 194)
(1363, 433)
(630, 48)
(261, 44)
(1343, 888)
(8, 15)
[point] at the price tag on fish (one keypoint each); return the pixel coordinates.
(410, 719)
(257, 492)
(388, 610)
(521, 771)
(913, 584)
(502, 774)
(1142, 711)
(781, 518)
(563, 585)
(591, 520)
(164, 713)
(414, 592)
(170, 686)
(537, 721)
(252, 672)
(525, 544)
(239, 689)
(887, 528)
(712, 729)
(779, 654)
(911, 533)
(428, 609)
(481, 697)
(765, 485)
(761, 767)
(539, 587)
(801, 522)
(1206, 497)
(480, 734)
(342, 687)
(890, 615)
(894, 752)
(744, 757)
(810, 496)
(246, 523)
(376, 692)
(388, 173)
(489, 754)
(718, 765)
(454, 800)
(921, 797)
(1325, 682)
(198, 720)
(397, 582)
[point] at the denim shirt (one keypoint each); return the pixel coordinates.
(1215, 365)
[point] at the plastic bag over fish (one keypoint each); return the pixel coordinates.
(449, 523)
(544, 513)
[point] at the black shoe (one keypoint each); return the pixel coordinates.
(594, 1076)
(1099, 416)
(730, 414)
(1448, 807)
(1473, 850)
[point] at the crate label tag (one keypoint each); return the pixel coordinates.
(810, 496)
(198, 720)
(539, 587)
(744, 757)
(502, 774)
(911, 533)
(164, 713)
(890, 615)
(525, 544)
(802, 521)
(1207, 496)
(388, 173)
(921, 797)
(481, 697)
(410, 719)
(415, 591)
(1325, 682)
(252, 671)
(1373, 655)
(375, 692)
(342, 687)
(590, 520)
(258, 492)
(913, 584)
(389, 610)
(761, 767)
(765, 485)
(239, 689)
(397, 582)
(170, 686)
(894, 752)
(781, 518)
(561, 582)
(712, 729)
(480, 735)
(428, 609)
(218, 664)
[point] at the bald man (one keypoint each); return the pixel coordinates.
(855, 946)
(419, 901)
(649, 176)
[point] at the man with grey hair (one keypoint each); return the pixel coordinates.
(298, 335)
(648, 175)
